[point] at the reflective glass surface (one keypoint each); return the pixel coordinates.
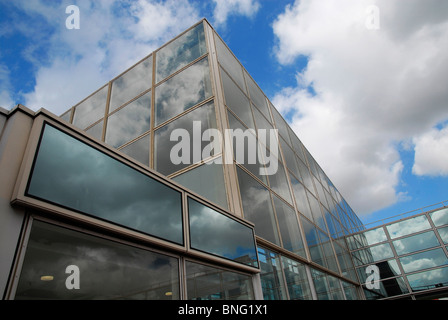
(206, 180)
(271, 276)
(375, 236)
(428, 279)
(408, 226)
(215, 233)
(327, 287)
(237, 101)
(424, 260)
(388, 269)
(279, 183)
(129, 122)
(289, 227)
(180, 52)
(230, 63)
(443, 232)
(209, 283)
(417, 242)
(257, 96)
(257, 207)
(131, 84)
(183, 91)
(173, 153)
(91, 110)
(107, 270)
(301, 198)
(440, 217)
(139, 150)
(72, 174)
(96, 131)
(296, 280)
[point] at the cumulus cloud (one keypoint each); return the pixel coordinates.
(371, 89)
(113, 36)
(225, 8)
(431, 156)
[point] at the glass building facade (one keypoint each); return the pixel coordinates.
(95, 194)
(410, 254)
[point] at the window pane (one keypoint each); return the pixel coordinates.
(96, 131)
(375, 236)
(230, 63)
(257, 96)
(172, 156)
(296, 280)
(408, 226)
(72, 174)
(415, 243)
(388, 269)
(131, 84)
(215, 233)
(91, 110)
(301, 198)
(443, 232)
(180, 52)
(257, 207)
(137, 274)
(206, 180)
(279, 183)
(183, 91)
(139, 150)
(237, 101)
(428, 279)
(289, 227)
(424, 260)
(209, 283)
(271, 276)
(129, 122)
(440, 217)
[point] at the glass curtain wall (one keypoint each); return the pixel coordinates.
(411, 256)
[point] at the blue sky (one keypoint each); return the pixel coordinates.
(366, 91)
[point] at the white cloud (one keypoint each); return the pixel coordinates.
(225, 8)
(431, 156)
(374, 88)
(113, 36)
(6, 100)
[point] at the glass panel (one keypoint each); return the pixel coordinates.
(296, 280)
(96, 131)
(350, 291)
(209, 283)
(271, 275)
(279, 183)
(306, 179)
(139, 150)
(281, 125)
(257, 96)
(428, 279)
(408, 226)
(237, 101)
(206, 180)
(262, 123)
(137, 274)
(183, 91)
(230, 63)
(317, 212)
(375, 236)
(443, 232)
(440, 217)
(180, 52)
(131, 84)
(66, 116)
(72, 174)
(289, 227)
(388, 269)
(415, 243)
(424, 260)
(393, 287)
(215, 233)
(129, 122)
(257, 207)
(91, 110)
(174, 155)
(301, 198)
